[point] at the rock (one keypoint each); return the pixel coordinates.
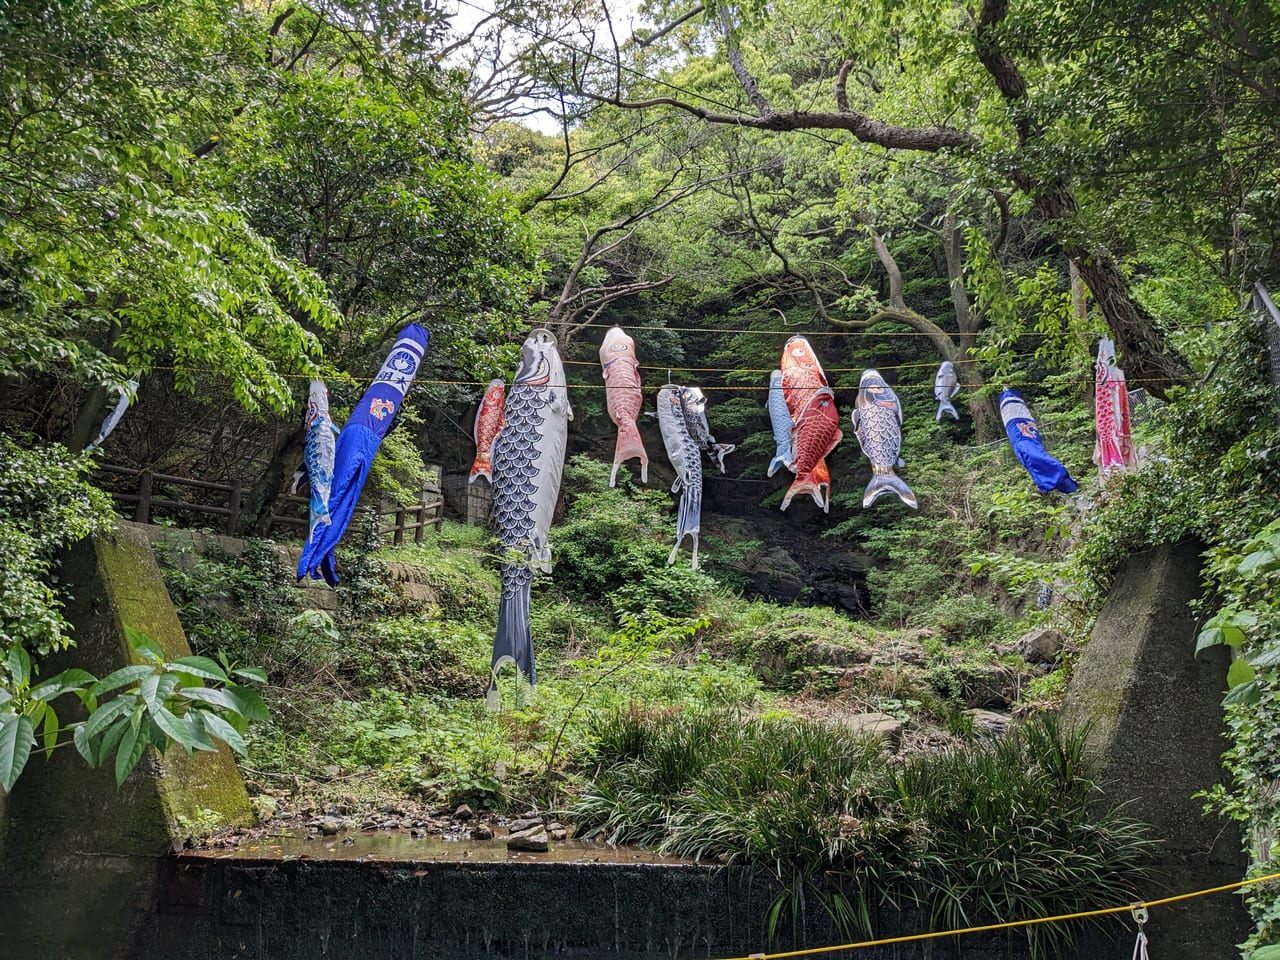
(482, 831)
(851, 598)
(988, 684)
(820, 653)
(887, 728)
(1041, 645)
(557, 831)
(330, 826)
(533, 840)
(390, 824)
(991, 722)
(523, 824)
(464, 812)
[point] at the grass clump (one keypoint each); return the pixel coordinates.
(972, 835)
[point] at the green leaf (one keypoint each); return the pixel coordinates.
(1245, 695)
(122, 677)
(194, 721)
(155, 690)
(1266, 656)
(218, 698)
(110, 737)
(19, 664)
(173, 728)
(144, 645)
(68, 681)
(132, 745)
(51, 729)
(80, 738)
(1269, 952)
(1209, 637)
(1240, 671)
(201, 667)
(251, 705)
(74, 678)
(251, 673)
(223, 731)
(16, 736)
(1258, 561)
(100, 718)
(1232, 635)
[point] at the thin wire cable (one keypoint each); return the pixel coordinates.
(793, 332)
(1082, 915)
(898, 366)
(761, 388)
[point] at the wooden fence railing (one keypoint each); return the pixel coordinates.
(161, 491)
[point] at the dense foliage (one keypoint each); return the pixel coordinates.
(226, 199)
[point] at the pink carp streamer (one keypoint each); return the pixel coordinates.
(1113, 452)
(621, 372)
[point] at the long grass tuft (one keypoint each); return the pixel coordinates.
(988, 833)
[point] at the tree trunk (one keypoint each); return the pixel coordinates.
(266, 490)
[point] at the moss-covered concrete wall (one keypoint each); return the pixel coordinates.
(215, 909)
(79, 851)
(1155, 721)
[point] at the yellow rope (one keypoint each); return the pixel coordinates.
(1104, 911)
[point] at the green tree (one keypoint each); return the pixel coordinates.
(115, 255)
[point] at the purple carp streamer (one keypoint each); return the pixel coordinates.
(686, 458)
(877, 423)
(945, 386)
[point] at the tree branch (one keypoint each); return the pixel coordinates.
(749, 83)
(863, 128)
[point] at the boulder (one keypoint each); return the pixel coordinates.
(874, 724)
(1041, 645)
(533, 840)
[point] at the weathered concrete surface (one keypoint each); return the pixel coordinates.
(213, 909)
(1156, 730)
(78, 850)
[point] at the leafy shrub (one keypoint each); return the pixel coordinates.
(246, 609)
(45, 504)
(613, 547)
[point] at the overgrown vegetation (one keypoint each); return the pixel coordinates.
(968, 836)
(1217, 481)
(46, 505)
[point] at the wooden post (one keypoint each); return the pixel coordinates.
(237, 496)
(422, 523)
(143, 512)
(397, 537)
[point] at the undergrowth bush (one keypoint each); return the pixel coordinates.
(836, 823)
(614, 543)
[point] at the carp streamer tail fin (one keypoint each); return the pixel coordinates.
(512, 642)
(886, 481)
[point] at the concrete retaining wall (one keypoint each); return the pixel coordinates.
(214, 909)
(1155, 721)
